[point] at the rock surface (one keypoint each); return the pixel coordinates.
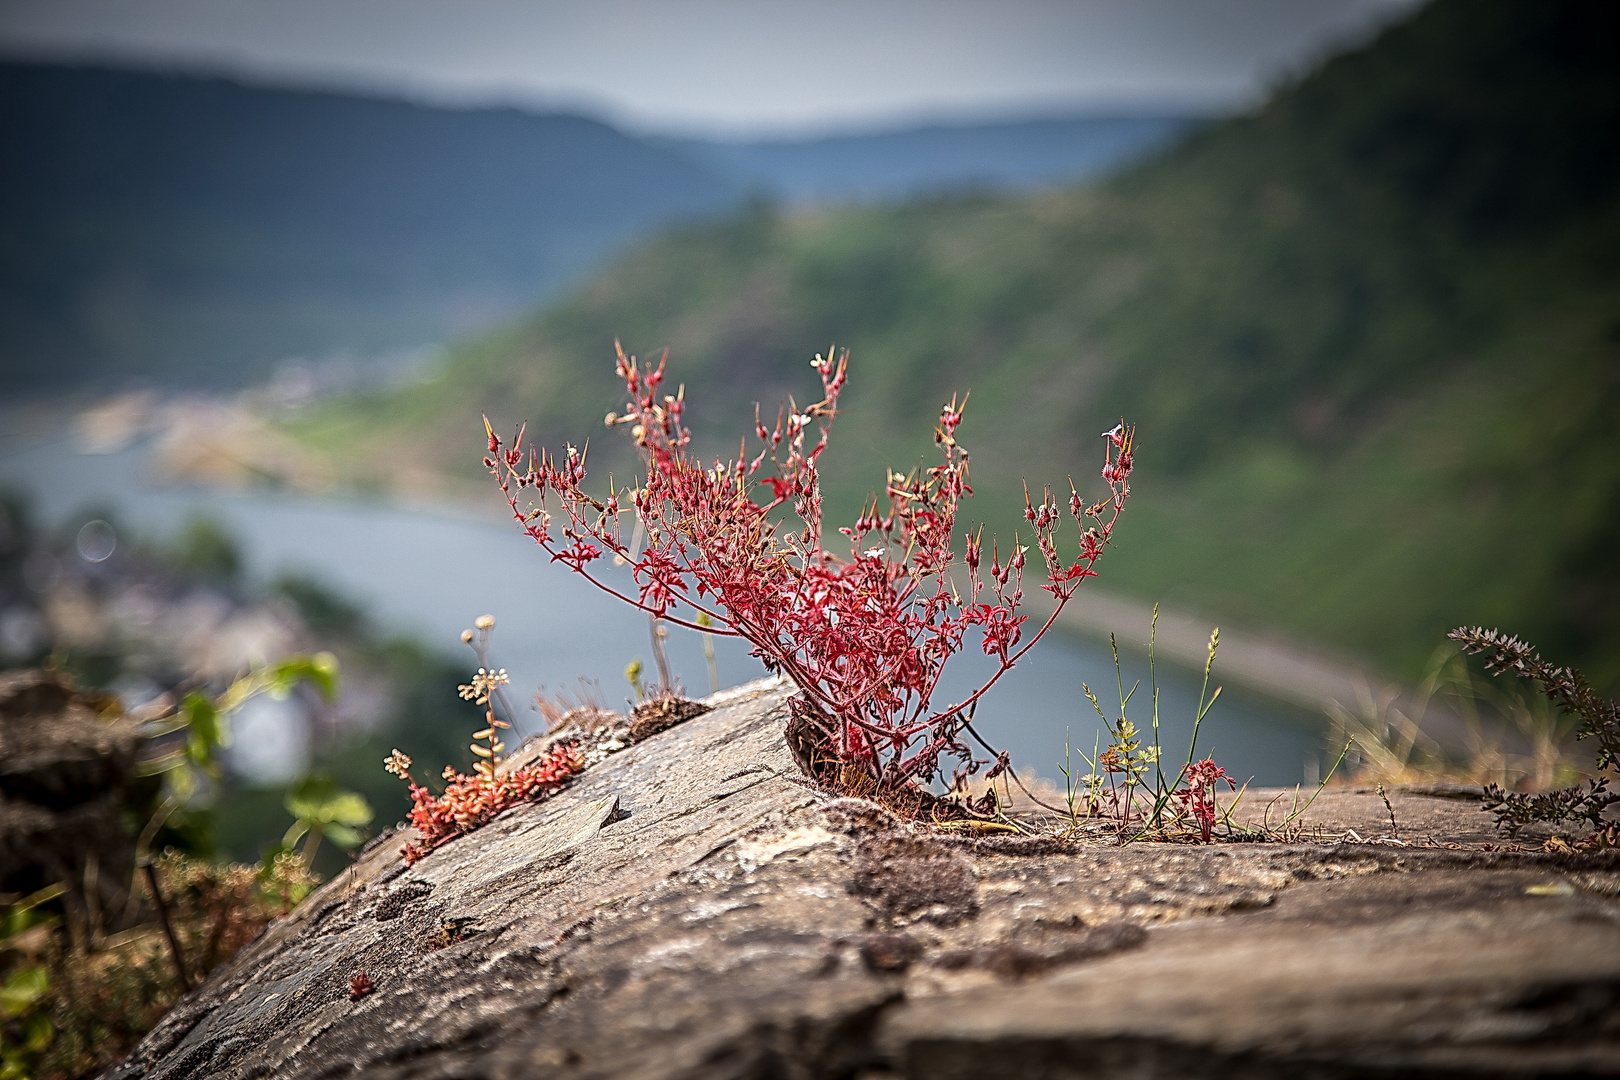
(690, 908)
(65, 773)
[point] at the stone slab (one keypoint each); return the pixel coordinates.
(691, 908)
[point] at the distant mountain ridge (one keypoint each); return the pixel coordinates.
(1013, 156)
(195, 229)
(187, 230)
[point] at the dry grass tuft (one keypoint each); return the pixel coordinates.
(1502, 735)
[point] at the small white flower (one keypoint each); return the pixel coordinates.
(483, 685)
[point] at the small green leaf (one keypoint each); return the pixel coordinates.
(324, 674)
(319, 670)
(306, 797)
(319, 806)
(183, 783)
(38, 1033)
(343, 835)
(22, 989)
(349, 808)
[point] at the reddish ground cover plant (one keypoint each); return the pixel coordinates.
(739, 543)
(470, 801)
(1197, 795)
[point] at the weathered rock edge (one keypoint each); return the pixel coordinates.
(689, 908)
(65, 777)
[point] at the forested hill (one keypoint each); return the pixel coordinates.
(180, 229)
(177, 229)
(1371, 335)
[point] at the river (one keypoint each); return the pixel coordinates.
(428, 571)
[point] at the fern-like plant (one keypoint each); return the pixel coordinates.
(1586, 804)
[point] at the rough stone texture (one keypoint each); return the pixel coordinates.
(65, 772)
(689, 908)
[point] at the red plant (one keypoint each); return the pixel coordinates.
(865, 637)
(470, 801)
(360, 985)
(1203, 778)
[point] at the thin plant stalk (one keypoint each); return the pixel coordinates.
(1158, 755)
(1203, 708)
(1237, 797)
(1298, 809)
(479, 643)
(168, 928)
(657, 631)
(708, 652)
(143, 849)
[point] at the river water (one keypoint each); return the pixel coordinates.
(429, 571)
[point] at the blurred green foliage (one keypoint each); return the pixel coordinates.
(320, 811)
(423, 716)
(205, 551)
(25, 983)
(69, 1006)
(1370, 335)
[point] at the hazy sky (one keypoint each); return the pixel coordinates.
(727, 66)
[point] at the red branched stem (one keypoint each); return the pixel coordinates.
(864, 637)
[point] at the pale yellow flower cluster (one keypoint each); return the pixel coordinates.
(483, 685)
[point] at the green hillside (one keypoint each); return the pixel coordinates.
(181, 230)
(1370, 335)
